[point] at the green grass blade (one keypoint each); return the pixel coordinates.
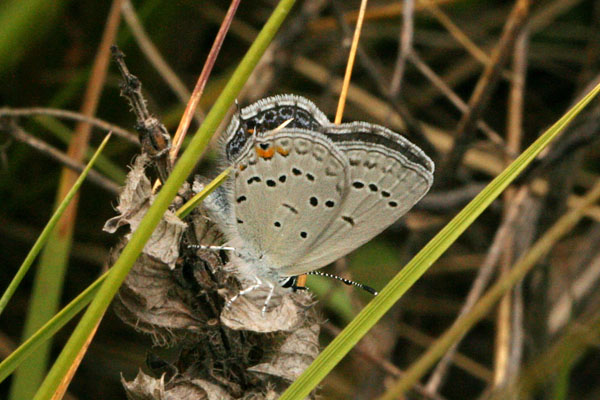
(39, 243)
(197, 199)
(180, 172)
(369, 316)
(529, 260)
(10, 363)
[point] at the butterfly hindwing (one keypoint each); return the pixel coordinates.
(386, 180)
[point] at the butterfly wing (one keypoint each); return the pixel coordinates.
(388, 175)
(287, 190)
(267, 114)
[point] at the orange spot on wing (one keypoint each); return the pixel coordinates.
(283, 151)
(242, 167)
(266, 154)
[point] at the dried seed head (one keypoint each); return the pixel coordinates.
(178, 295)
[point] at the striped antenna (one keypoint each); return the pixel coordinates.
(346, 281)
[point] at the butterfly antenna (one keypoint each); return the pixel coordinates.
(346, 281)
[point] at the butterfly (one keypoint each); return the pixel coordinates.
(305, 192)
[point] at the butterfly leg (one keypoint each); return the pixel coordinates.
(268, 299)
(245, 291)
(216, 248)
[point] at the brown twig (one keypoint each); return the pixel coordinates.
(459, 72)
(406, 38)
(459, 35)
(506, 342)
(66, 114)
(483, 89)
(583, 285)
(202, 79)
(460, 360)
(483, 278)
(19, 134)
(382, 363)
(456, 100)
(156, 59)
(385, 11)
(451, 199)
(581, 335)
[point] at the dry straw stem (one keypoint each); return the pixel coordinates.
(350, 63)
(459, 35)
(509, 335)
(405, 44)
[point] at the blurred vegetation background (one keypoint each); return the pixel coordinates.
(492, 73)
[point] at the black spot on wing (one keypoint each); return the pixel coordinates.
(348, 219)
(290, 207)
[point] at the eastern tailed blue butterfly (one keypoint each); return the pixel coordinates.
(306, 193)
